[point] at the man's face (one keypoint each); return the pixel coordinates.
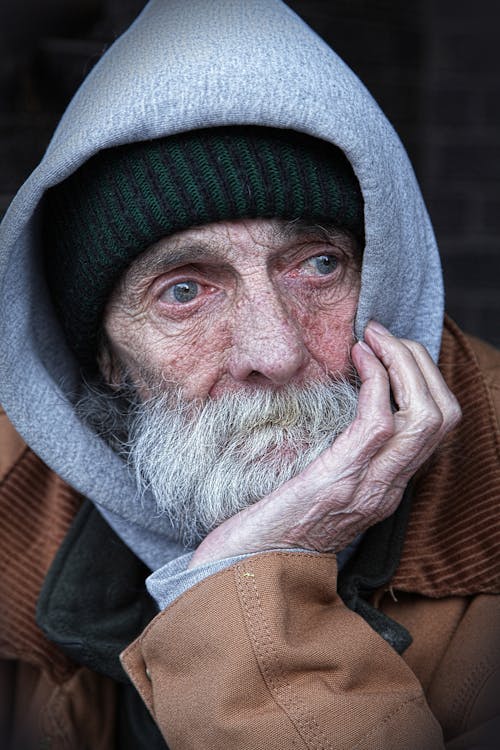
(235, 305)
(235, 338)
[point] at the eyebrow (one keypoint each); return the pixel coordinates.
(283, 233)
(151, 266)
(297, 228)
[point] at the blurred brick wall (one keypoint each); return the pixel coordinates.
(46, 50)
(460, 166)
(433, 66)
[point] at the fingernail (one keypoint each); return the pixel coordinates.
(365, 347)
(378, 328)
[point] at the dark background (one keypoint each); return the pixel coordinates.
(434, 67)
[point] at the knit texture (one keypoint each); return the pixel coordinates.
(125, 199)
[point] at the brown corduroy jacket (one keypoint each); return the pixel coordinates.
(265, 654)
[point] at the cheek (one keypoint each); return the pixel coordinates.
(192, 358)
(328, 334)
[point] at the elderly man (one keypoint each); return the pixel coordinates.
(221, 316)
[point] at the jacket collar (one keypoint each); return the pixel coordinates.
(93, 602)
(452, 543)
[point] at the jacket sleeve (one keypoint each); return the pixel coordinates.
(264, 654)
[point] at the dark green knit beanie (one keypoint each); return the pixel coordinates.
(126, 198)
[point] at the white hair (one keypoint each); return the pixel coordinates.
(206, 461)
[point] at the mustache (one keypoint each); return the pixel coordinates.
(309, 409)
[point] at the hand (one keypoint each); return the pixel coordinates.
(360, 479)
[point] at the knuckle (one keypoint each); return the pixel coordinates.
(392, 500)
(454, 414)
(383, 498)
(382, 428)
(429, 422)
(416, 348)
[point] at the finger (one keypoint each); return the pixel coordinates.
(374, 419)
(445, 399)
(419, 420)
(411, 391)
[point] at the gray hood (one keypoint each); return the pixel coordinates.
(185, 65)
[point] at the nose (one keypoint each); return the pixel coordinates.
(267, 344)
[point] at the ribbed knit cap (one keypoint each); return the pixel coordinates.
(125, 199)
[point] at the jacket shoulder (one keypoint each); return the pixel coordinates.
(12, 446)
(488, 359)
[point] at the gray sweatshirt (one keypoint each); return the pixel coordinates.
(185, 65)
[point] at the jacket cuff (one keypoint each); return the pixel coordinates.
(265, 654)
(169, 582)
(174, 578)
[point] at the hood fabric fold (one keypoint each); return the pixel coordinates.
(183, 66)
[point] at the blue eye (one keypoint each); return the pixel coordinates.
(324, 264)
(184, 291)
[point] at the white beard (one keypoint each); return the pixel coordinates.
(206, 461)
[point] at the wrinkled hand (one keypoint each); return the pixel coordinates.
(361, 478)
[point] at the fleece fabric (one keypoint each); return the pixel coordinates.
(181, 66)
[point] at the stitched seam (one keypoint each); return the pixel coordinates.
(267, 668)
(220, 574)
(438, 666)
(387, 718)
(270, 667)
(54, 716)
(464, 702)
(473, 698)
